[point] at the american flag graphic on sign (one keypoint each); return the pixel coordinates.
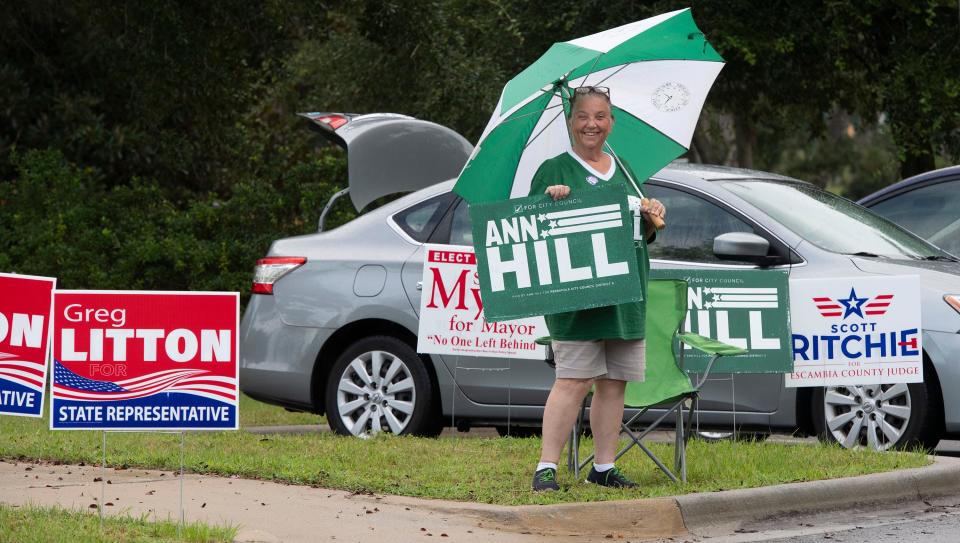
(23, 372)
(561, 223)
(853, 305)
(828, 307)
(67, 384)
(879, 304)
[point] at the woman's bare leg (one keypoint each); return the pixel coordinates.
(606, 414)
(559, 414)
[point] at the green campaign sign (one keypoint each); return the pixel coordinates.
(746, 308)
(537, 256)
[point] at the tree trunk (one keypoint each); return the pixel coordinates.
(746, 135)
(700, 149)
(916, 162)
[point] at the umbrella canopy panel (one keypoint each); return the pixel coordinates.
(659, 71)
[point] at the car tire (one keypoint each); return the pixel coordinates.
(882, 417)
(380, 384)
(715, 436)
(519, 431)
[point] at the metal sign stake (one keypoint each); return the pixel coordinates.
(733, 404)
(509, 395)
(453, 407)
(180, 526)
(103, 477)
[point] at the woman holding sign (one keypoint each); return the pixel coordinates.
(604, 346)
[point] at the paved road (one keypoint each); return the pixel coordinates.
(937, 521)
(933, 522)
(949, 448)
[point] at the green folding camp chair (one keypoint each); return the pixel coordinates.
(666, 385)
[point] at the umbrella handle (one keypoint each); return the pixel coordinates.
(658, 223)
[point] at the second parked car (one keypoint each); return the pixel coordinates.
(927, 204)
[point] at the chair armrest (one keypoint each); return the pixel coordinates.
(547, 342)
(710, 346)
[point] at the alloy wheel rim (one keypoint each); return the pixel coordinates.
(376, 393)
(874, 416)
(713, 434)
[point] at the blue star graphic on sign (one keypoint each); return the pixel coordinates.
(853, 304)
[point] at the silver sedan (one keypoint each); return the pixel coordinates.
(331, 326)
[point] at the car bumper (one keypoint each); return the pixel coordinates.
(944, 351)
(277, 360)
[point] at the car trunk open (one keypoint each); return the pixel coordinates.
(389, 153)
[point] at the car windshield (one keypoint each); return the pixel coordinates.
(829, 221)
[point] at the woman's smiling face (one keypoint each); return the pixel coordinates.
(590, 121)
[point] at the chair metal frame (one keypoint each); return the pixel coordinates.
(574, 463)
(689, 399)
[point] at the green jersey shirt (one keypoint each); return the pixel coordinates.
(624, 321)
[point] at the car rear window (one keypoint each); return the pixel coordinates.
(422, 218)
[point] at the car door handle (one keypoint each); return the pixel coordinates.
(419, 285)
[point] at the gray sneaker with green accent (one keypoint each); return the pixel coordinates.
(545, 480)
(613, 477)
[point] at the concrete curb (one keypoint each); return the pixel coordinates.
(708, 512)
(711, 512)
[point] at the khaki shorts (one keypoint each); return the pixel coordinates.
(620, 359)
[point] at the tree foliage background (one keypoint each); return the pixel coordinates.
(155, 144)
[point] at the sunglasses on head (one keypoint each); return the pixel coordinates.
(591, 89)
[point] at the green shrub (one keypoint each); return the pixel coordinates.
(60, 220)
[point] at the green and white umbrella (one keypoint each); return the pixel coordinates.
(659, 71)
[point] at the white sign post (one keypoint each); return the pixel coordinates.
(451, 312)
(856, 331)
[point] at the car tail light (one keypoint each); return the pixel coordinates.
(333, 121)
(953, 300)
(269, 270)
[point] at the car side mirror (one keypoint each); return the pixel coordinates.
(744, 247)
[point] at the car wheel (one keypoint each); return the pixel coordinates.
(877, 416)
(380, 384)
(519, 431)
(715, 436)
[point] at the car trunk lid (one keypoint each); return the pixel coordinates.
(389, 153)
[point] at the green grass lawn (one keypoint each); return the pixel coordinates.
(490, 470)
(47, 525)
(254, 413)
